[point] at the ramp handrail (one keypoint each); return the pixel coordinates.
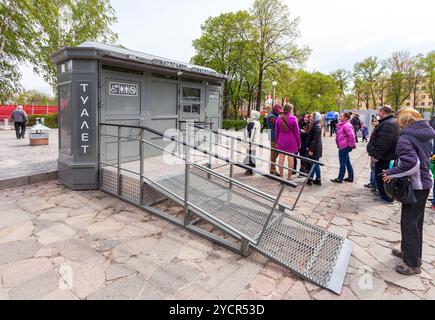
(212, 154)
(188, 164)
(263, 146)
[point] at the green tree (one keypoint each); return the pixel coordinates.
(427, 65)
(370, 70)
(31, 30)
(273, 39)
(401, 69)
(34, 97)
(310, 92)
(223, 48)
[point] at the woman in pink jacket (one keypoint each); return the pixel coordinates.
(287, 138)
(345, 143)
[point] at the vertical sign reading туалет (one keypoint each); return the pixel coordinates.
(85, 118)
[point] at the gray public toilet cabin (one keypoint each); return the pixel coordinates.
(99, 83)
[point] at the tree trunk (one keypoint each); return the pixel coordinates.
(226, 101)
(259, 88)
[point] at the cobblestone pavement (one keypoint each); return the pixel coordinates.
(59, 244)
(18, 158)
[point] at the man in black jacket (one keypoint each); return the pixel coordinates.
(382, 146)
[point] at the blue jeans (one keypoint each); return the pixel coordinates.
(373, 177)
(344, 157)
(316, 172)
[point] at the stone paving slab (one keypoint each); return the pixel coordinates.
(59, 244)
(32, 164)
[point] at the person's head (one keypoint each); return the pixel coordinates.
(306, 117)
(315, 116)
(385, 111)
(288, 108)
(345, 116)
(374, 121)
(20, 107)
(255, 115)
(277, 109)
(408, 116)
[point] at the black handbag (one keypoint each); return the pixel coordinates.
(401, 190)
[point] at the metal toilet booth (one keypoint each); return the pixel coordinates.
(145, 129)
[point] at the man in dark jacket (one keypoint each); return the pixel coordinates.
(382, 146)
(19, 117)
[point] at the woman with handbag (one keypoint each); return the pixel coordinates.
(413, 153)
(287, 138)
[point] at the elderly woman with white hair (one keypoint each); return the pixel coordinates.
(252, 136)
(315, 146)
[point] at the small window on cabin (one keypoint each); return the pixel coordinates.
(187, 108)
(191, 94)
(196, 108)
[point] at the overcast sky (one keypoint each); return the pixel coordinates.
(339, 32)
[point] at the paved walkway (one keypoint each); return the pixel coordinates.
(59, 244)
(18, 158)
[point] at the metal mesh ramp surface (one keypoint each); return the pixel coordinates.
(310, 251)
(244, 214)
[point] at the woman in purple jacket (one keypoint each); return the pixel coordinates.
(346, 142)
(287, 138)
(413, 152)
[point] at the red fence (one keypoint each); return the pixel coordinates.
(5, 111)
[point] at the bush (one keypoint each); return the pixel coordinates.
(234, 124)
(50, 120)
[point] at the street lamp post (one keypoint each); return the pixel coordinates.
(274, 84)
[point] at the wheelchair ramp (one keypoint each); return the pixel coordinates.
(249, 218)
(309, 251)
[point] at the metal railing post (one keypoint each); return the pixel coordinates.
(303, 187)
(186, 178)
(271, 212)
(119, 162)
(141, 156)
(232, 160)
(209, 152)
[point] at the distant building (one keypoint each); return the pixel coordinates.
(423, 99)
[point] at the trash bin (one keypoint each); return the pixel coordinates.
(38, 134)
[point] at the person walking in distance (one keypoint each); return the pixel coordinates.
(324, 123)
(346, 142)
(287, 138)
(19, 117)
(382, 146)
(271, 126)
(315, 147)
(252, 136)
(356, 123)
(413, 152)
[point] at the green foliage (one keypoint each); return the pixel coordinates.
(50, 120)
(400, 65)
(274, 39)
(310, 92)
(35, 97)
(234, 124)
(32, 30)
(427, 65)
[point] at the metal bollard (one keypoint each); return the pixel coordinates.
(6, 125)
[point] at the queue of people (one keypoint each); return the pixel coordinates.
(401, 146)
(293, 137)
